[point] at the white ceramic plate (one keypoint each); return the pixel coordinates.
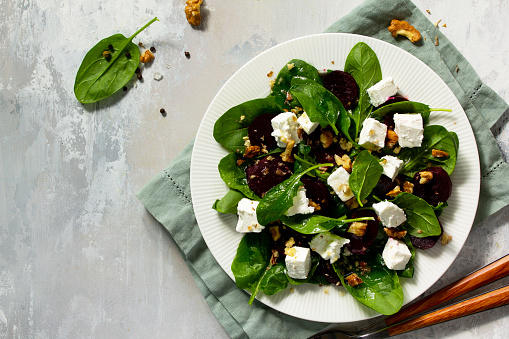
(329, 51)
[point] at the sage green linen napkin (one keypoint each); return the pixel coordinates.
(168, 197)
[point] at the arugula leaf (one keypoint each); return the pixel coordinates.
(280, 197)
(228, 204)
(419, 158)
(231, 127)
(99, 77)
(421, 219)
(362, 63)
(314, 224)
(283, 81)
(366, 171)
(404, 107)
(234, 176)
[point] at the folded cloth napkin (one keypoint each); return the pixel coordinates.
(168, 197)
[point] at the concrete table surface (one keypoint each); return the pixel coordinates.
(79, 254)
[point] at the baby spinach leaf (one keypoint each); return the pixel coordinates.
(284, 78)
(362, 63)
(274, 280)
(315, 261)
(319, 103)
(439, 208)
(380, 289)
(314, 224)
(228, 204)
(280, 197)
(408, 272)
(404, 107)
(231, 127)
(366, 172)
(421, 219)
(99, 77)
(234, 176)
(418, 158)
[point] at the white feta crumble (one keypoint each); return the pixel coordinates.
(338, 180)
(396, 254)
(381, 91)
(389, 213)
(307, 125)
(247, 223)
(299, 264)
(409, 128)
(285, 128)
(372, 134)
(300, 204)
(328, 245)
(391, 166)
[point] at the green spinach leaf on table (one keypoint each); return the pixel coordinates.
(235, 176)
(419, 158)
(421, 219)
(362, 63)
(228, 203)
(231, 127)
(98, 76)
(313, 224)
(366, 171)
(283, 81)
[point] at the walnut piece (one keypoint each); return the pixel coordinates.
(345, 144)
(358, 228)
(290, 251)
(426, 176)
(438, 153)
(252, 151)
(352, 203)
(146, 56)
(344, 161)
(326, 139)
(290, 242)
(192, 10)
(404, 28)
(353, 280)
(394, 233)
(273, 258)
(408, 187)
(394, 192)
(287, 154)
(274, 232)
(392, 137)
(446, 238)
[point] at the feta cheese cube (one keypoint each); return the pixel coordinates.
(307, 125)
(391, 166)
(409, 129)
(285, 128)
(338, 180)
(389, 213)
(300, 204)
(372, 134)
(396, 254)
(328, 245)
(381, 91)
(299, 264)
(247, 223)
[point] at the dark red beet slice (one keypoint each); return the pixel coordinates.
(259, 131)
(267, 173)
(326, 270)
(343, 86)
(438, 190)
(326, 155)
(391, 100)
(384, 186)
(317, 191)
(359, 245)
(389, 121)
(428, 242)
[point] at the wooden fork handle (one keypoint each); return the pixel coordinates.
(480, 303)
(485, 275)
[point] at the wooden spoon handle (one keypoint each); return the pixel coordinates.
(481, 277)
(480, 303)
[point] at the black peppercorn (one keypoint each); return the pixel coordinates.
(163, 112)
(152, 49)
(124, 88)
(139, 76)
(110, 46)
(128, 55)
(137, 71)
(187, 54)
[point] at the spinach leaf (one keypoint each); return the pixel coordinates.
(234, 176)
(280, 197)
(231, 127)
(319, 103)
(283, 81)
(362, 63)
(421, 219)
(366, 172)
(228, 204)
(439, 208)
(99, 77)
(315, 261)
(380, 288)
(408, 272)
(404, 107)
(314, 224)
(274, 280)
(418, 158)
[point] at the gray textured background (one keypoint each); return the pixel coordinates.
(79, 255)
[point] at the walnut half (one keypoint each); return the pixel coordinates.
(404, 28)
(192, 10)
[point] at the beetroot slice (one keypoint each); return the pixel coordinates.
(392, 100)
(267, 173)
(438, 190)
(384, 186)
(317, 191)
(359, 245)
(259, 131)
(326, 270)
(343, 86)
(326, 155)
(428, 242)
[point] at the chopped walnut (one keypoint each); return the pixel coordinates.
(353, 279)
(192, 10)
(273, 258)
(271, 83)
(394, 192)
(408, 187)
(274, 232)
(397, 150)
(252, 151)
(289, 96)
(315, 205)
(426, 176)
(446, 238)
(290, 242)
(271, 73)
(240, 162)
(394, 233)
(358, 228)
(352, 203)
(290, 66)
(287, 154)
(344, 161)
(392, 137)
(326, 139)
(438, 153)
(290, 251)
(404, 28)
(345, 144)
(146, 56)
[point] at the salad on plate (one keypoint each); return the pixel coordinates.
(337, 179)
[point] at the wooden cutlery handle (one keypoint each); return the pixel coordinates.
(485, 275)
(480, 303)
